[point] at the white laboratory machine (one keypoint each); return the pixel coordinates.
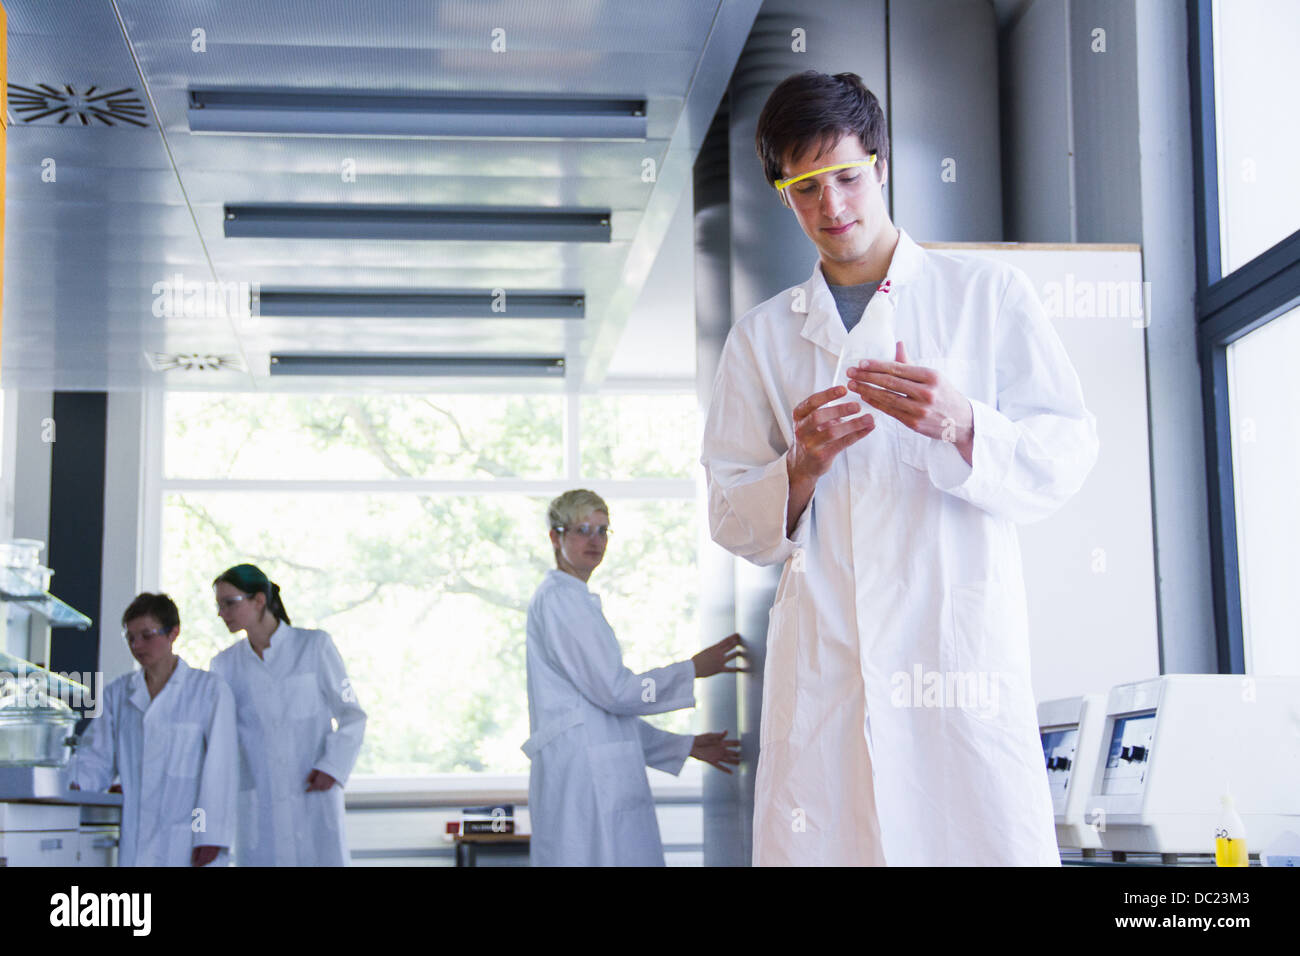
(1174, 745)
(1071, 730)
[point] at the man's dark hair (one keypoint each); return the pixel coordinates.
(815, 110)
(158, 606)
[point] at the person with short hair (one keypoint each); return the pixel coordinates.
(290, 688)
(879, 430)
(588, 796)
(168, 731)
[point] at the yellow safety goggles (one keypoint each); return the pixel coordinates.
(781, 185)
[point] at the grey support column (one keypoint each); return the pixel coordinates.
(726, 798)
(946, 177)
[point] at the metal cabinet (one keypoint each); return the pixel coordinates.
(41, 834)
(97, 846)
(34, 834)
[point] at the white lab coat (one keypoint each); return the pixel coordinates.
(588, 796)
(285, 703)
(903, 575)
(176, 754)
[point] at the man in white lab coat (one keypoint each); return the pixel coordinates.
(898, 723)
(168, 731)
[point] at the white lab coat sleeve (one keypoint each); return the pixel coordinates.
(218, 667)
(584, 651)
(744, 458)
(343, 744)
(219, 776)
(664, 750)
(1032, 452)
(94, 766)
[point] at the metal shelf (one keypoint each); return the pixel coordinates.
(56, 686)
(19, 586)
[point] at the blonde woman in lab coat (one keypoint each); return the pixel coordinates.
(588, 795)
(289, 685)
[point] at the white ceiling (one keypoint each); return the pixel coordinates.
(132, 207)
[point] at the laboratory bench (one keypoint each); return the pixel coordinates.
(43, 823)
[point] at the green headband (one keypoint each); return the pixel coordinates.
(249, 579)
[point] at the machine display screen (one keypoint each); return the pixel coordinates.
(1058, 751)
(1129, 756)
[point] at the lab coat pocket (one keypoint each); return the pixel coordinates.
(184, 750)
(301, 696)
(780, 682)
(618, 772)
(980, 660)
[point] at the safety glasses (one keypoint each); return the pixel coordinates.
(586, 530)
(804, 192)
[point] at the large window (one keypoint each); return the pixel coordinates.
(1264, 393)
(413, 529)
(1256, 74)
(1243, 74)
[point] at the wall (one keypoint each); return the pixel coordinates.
(26, 511)
(123, 545)
(1037, 147)
(1098, 148)
(943, 120)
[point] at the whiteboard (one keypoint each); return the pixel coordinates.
(1090, 568)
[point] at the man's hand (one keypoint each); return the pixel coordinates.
(716, 750)
(203, 855)
(714, 659)
(319, 780)
(820, 433)
(919, 397)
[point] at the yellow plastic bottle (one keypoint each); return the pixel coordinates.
(1230, 837)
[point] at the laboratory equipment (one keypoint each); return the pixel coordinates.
(1071, 730)
(1175, 744)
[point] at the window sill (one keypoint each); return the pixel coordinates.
(375, 791)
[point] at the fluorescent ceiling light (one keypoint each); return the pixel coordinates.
(442, 366)
(455, 223)
(321, 113)
(467, 304)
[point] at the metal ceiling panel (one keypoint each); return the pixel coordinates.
(132, 208)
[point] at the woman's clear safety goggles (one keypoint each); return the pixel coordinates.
(586, 530)
(808, 192)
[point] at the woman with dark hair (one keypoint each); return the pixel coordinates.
(289, 685)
